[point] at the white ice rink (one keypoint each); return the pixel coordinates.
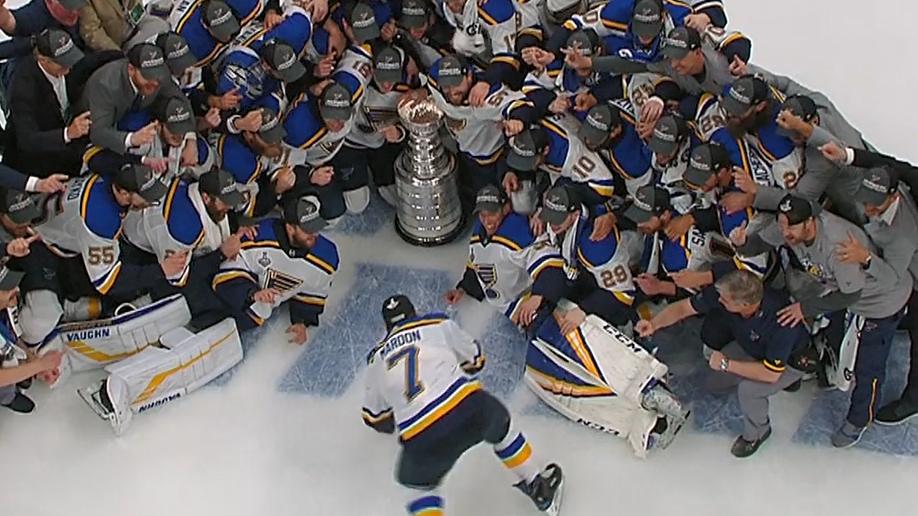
(251, 448)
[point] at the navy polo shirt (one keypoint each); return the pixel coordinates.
(760, 336)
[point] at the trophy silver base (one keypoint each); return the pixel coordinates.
(432, 241)
(429, 212)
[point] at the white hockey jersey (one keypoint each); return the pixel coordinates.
(420, 372)
(568, 156)
(484, 30)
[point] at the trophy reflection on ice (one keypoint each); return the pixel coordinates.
(428, 211)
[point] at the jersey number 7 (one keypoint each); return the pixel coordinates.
(413, 385)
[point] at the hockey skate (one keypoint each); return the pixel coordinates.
(99, 400)
(673, 414)
(545, 489)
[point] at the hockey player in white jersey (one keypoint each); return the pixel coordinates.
(287, 261)
(610, 130)
(505, 261)
(485, 32)
(421, 382)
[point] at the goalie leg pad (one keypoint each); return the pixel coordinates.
(158, 375)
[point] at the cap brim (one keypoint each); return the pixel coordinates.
(637, 215)
(670, 52)
(314, 225)
(72, 5)
(662, 147)
(696, 178)
(183, 127)
(366, 33)
(159, 73)
(647, 30)
(521, 163)
(335, 113)
(412, 21)
(234, 199)
(867, 196)
(226, 31)
(553, 217)
(11, 280)
(490, 207)
(273, 135)
(292, 73)
(69, 58)
(382, 76)
(155, 192)
(25, 216)
(450, 80)
(592, 136)
(178, 65)
(733, 107)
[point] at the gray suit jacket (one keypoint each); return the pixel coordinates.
(716, 77)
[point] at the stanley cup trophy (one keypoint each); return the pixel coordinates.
(429, 212)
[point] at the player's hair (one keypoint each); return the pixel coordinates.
(741, 286)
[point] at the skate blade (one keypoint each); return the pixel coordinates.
(669, 436)
(91, 398)
(555, 508)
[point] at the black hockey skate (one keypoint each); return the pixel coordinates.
(545, 489)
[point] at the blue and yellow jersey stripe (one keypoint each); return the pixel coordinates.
(320, 263)
(436, 409)
(545, 262)
(105, 283)
(314, 300)
(226, 275)
(563, 388)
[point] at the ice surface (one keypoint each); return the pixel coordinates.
(281, 434)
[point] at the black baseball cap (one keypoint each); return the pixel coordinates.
(490, 199)
(704, 161)
(648, 201)
(177, 52)
(387, 66)
(9, 279)
(58, 46)
(668, 134)
(177, 115)
(220, 20)
(415, 14)
(396, 309)
(451, 71)
(221, 184)
(585, 40)
(142, 180)
(305, 212)
(801, 106)
(796, 209)
(335, 103)
(272, 129)
(647, 19)
(72, 5)
(525, 149)
(282, 60)
(19, 206)
(877, 184)
(598, 123)
(557, 205)
(363, 23)
(744, 93)
(150, 61)
(680, 41)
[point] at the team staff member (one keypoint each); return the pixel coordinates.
(752, 348)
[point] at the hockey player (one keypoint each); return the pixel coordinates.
(422, 33)
(287, 261)
(258, 73)
(610, 130)
(421, 382)
(505, 261)
(486, 35)
(209, 25)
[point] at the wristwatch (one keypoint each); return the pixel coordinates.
(866, 264)
(724, 364)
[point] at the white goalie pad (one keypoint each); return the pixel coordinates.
(93, 344)
(599, 377)
(839, 363)
(157, 375)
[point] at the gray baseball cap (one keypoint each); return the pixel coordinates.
(598, 123)
(220, 20)
(272, 129)
(557, 205)
(150, 61)
(305, 213)
(798, 105)
(58, 46)
(221, 184)
(796, 209)
(176, 113)
(490, 199)
(9, 279)
(177, 52)
(387, 66)
(647, 19)
(19, 206)
(451, 71)
(704, 161)
(524, 151)
(744, 93)
(415, 14)
(585, 40)
(363, 23)
(667, 135)
(282, 60)
(648, 201)
(142, 180)
(877, 185)
(72, 5)
(335, 103)
(680, 41)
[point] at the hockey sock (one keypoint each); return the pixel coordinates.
(516, 454)
(427, 503)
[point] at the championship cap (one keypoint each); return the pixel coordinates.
(668, 133)
(178, 54)
(796, 209)
(282, 60)
(490, 199)
(149, 60)
(598, 123)
(220, 21)
(397, 309)
(72, 5)
(525, 150)
(648, 201)
(335, 103)
(744, 93)
(451, 71)
(680, 41)
(305, 212)
(558, 204)
(177, 115)
(9, 279)
(705, 161)
(586, 40)
(647, 19)
(363, 22)
(877, 185)
(801, 106)
(387, 66)
(221, 184)
(19, 206)
(58, 46)
(141, 179)
(414, 14)
(272, 130)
